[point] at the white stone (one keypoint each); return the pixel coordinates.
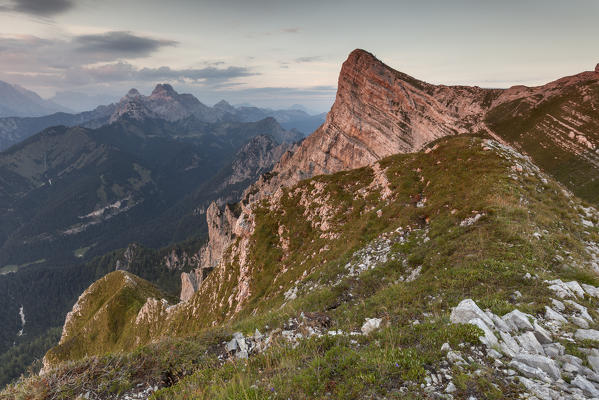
(494, 354)
(530, 372)
(570, 368)
(575, 288)
(489, 337)
(582, 310)
(558, 305)
(528, 341)
(541, 334)
(370, 325)
(541, 362)
(518, 320)
(594, 362)
(445, 347)
(587, 387)
(450, 388)
(231, 345)
(498, 322)
(466, 311)
(561, 290)
(454, 357)
(540, 391)
(510, 343)
(587, 334)
(554, 350)
(581, 322)
(554, 315)
(590, 290)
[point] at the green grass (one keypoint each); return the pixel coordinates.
(486, 261)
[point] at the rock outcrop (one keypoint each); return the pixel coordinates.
(379, 112)
(221, 224)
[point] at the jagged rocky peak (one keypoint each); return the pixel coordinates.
(164, 90)
(597, 68)
(132, 94)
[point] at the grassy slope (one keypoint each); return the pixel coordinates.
(106, 316)
(530, 129)
(486, 261)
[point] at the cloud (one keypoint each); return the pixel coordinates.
(40, 8)
(308, 59)
(125, 72)
(30, 53)
(120, 43)
(291, 30)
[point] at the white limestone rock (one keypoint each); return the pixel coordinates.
(466, 311)
(528, 341)
(542, 335)
(587, 387)
(518, 320)
(554, 315)
(543, 363)
(587, 334)
(489, 339)
(371, 325)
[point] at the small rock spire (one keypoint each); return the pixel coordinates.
(597, 68)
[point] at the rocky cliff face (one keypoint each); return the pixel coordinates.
(379, 112)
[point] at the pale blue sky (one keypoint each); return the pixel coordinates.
(277, 53)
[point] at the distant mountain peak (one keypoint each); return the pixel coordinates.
(132, 93)
(224, 106)
(164, 90)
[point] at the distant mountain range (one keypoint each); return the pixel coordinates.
(144, 170)
(163, 103)
(16, 101)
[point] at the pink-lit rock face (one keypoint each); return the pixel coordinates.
(597, 68)
(379, 111)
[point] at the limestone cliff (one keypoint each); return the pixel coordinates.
(379, 112)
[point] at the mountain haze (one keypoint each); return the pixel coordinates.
(16, 101)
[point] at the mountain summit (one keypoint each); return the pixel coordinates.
(379, 111)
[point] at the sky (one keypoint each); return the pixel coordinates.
(279, 53)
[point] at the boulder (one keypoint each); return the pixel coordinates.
(499, 323)
(489, 338)
(594, 362)
(530, 372)
(543, 363)
(529, 343)
(554, 350)
(558, 305)
(370, 325)
(554, 315)
(590, 290)
(575, 288)
(518, 320)
(466, 311)
(587, 387)
(509, 345)
(541, 334)
(582, 310)
(587, 334)
(560, 288)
